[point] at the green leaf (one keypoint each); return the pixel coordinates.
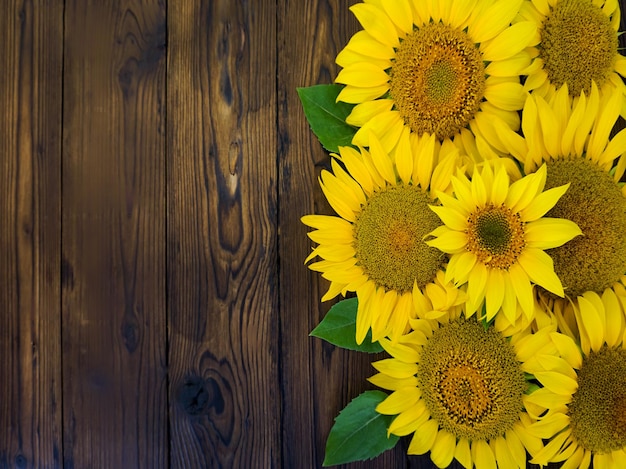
(326, 116)
(339, 328)
(359, 432)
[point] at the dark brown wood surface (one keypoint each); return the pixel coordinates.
(154, 306)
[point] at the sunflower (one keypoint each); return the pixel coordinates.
(495, 235)
(578, 45)
(375, 246)
(572, 139)
(582, 405)
(460, 388)
(434, 68)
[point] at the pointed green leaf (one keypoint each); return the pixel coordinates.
(339, 328)
(359, 432)
(326, 116)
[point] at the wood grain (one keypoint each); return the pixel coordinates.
(222, 231)
(113, 253)
(318, 379)
(31, 54)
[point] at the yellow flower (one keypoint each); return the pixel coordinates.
(435, 68)
(582, 404)
(572, 139)
(460, 389)
(375, 246)
(495, 235)
(578, 45)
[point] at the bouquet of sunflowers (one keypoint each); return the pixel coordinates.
(480, 230)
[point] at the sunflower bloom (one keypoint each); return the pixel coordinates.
(496, 234)
(578, 46)
(573, 140)
(375, 246)
(582, 404)
(434, 69)
(460, 389)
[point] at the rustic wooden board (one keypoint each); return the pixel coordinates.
(113, 250)
(222, 231)
(31, 55)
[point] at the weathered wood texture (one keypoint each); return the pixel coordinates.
(222, 235)
(113, 247)
(154, 165)
(31, 58)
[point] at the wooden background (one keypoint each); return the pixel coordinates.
(154, 305)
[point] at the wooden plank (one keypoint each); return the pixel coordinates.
(222, 266)
(31, 60)
(318, 379)
(113, 291)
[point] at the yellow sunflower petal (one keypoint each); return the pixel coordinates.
(449, 241)
(543, 202)
(363, 75)
(443, 448)
(398, 401)
(460, 11)
(615, 148)
(392, 384)
(516, 448)
(614, 318)
(326, 222)
(547, 233)
(476, 286)
(363, 112)
(495, 19)
(567, 349)
(507, 96)
(503, 453)
(575, 118)
(381, 160)
(605, 122)
(500, 187)
(358, 94)
(399, 351)
(463, 454)
(460, 266)
(509, 67)
(524, 191)
(401, 14)
(451, 218)
(375, 22)
(582, 132)
(403, 155)
(423, 439)
(482, 455)
(523, 289)
(387, 126)
(590, 319)
(410, 420)
(395, 369)
(362, 42)
(495, 292)
(540, 269)
(510, 41)
(558, 384)
(423, 167)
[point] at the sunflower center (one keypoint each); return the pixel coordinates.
(389, 236)
(578, 45)
(598, 419)
(437, 80)
(471, 380)
(594, 201)
(495, 235)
